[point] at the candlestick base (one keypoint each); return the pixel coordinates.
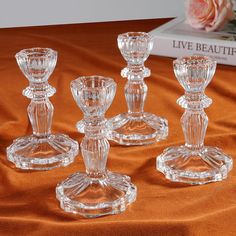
(35, 153)
(94, 197)
(180, 164)
(144, 129)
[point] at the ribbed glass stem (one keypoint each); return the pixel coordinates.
(95, 148)
(40, 112)
(194, 125)
(135, 94)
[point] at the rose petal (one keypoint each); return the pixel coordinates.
(209, 14)
(221, 20)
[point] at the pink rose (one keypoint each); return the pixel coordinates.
(210, 15)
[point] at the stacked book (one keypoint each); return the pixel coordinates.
(176, 38)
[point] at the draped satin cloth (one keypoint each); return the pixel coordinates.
(27, 198)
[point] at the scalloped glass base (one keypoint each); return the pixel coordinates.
(142, 130)
(35, 153)
(180, 164)
(94, 197)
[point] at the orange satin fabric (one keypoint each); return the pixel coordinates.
(27, 199)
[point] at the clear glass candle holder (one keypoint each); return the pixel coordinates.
(136, 127)
(194, 163)
(96, 192)
(42, 150)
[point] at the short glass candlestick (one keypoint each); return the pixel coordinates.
(136, 127)
(193, 162)
(96, 192)
(41, 150)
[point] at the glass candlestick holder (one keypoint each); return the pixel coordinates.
(136, 127)
(41, 150)
(96, 192)
(193, 162)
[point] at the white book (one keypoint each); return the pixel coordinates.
(176, 39)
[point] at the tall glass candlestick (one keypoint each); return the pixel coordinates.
(136, 127)
(96, 192)
(41, 150)
(193, 162)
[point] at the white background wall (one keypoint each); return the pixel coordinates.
(14, 13)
